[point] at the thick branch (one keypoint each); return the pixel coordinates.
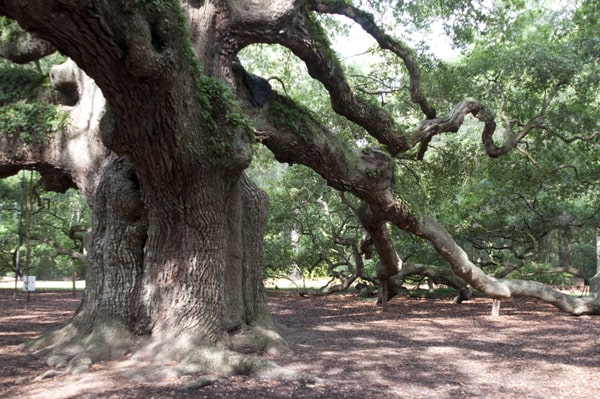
(497, 288)
(347, 280)
(127, 49)
(367, 22)
(511, 142)
(515, 138)
(439, 274)
(382, 241)
(62, 23)
(295, 136)
(306, 39)
(22, 47)
(453, 121)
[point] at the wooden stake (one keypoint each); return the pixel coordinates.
(384, 295)
(496, 308)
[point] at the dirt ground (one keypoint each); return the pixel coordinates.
(419, 349)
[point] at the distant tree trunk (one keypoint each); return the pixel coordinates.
(595, 281)
(598, 250)
(28, 214)
(565, 248)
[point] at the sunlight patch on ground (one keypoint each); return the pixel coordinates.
(8, 283)
(293, 283)
(106, 377)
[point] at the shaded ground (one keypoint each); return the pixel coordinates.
(419, 349)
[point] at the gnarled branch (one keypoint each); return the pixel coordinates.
(367, 175)
(367, 22)
(306, 39)
(22, 47)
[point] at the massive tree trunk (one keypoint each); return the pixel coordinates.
(176, 245)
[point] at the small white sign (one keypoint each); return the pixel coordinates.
(28, 283)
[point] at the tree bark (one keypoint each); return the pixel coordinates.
(176, 247)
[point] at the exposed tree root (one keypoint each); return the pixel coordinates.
(258, 339)
(160, 357)
(68, 347)
(192, 355)
(201, 382)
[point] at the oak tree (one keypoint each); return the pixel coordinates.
(162, 120)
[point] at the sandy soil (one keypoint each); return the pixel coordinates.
(419, 349)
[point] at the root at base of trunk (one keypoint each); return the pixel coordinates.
(210, 360)
(167, 355)
(71, 348)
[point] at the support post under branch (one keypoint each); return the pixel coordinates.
(496, 308)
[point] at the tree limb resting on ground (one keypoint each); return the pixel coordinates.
(295, 136)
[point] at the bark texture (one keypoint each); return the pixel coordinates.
(176, 246)
(21, 47)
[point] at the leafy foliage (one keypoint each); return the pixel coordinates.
(31, 122)
(20, 84)
(8, 29)
(58, 225)
(21, 114)
(310, 227)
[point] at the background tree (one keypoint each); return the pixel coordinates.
(58, 225)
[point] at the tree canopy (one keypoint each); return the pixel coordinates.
(507, 212)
